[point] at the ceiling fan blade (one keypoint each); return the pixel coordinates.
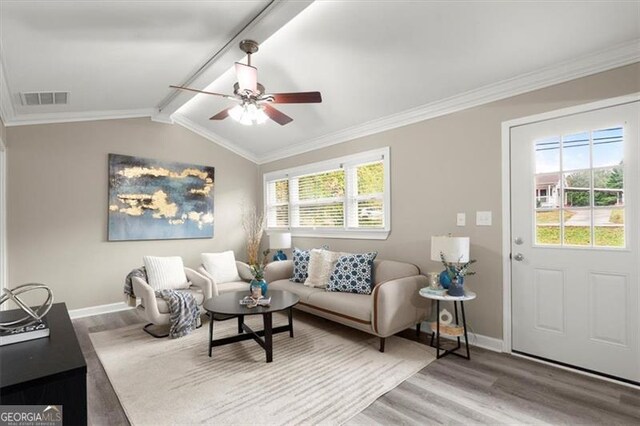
(221, 115)
(297, 98)
(200, 91)
(247, 77)
(279, 117)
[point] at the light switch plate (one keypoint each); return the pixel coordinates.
(461, 219)
(483, 218)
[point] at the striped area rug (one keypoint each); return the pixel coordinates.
(326, 374)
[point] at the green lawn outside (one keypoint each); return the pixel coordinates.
(607, 236)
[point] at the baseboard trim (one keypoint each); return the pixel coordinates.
(478, 340)
(97, 310)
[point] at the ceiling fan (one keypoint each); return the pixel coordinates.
(254, 105)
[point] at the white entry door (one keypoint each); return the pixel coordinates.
(574, 247)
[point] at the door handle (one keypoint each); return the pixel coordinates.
(518, 257)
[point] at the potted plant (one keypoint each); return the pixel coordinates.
(455, 272)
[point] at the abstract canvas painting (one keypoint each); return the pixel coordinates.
(158, 200)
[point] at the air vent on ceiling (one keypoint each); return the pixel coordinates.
(44, 98)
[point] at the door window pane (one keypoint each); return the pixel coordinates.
(548, 227)
(577, 227)
(548, 155)
(547, 191)
(608, 187)
(575, 151)
(577, 189)
(607, 147)
(609, 227)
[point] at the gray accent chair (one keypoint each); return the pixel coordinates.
(156, 310)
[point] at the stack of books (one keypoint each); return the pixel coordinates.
(434, 291)
(37, 330)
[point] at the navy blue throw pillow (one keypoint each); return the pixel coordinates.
(353, 274)
(300, 265)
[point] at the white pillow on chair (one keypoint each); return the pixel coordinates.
(221, 266)
(165, 273)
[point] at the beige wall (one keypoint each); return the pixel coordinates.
(3, 134)
(57, 204)
(452, 164)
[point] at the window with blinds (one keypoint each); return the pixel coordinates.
(346, 196)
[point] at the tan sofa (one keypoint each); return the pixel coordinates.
(393, 306)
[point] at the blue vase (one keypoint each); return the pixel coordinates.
(262, 284)
(445, 281)
(456, 288)
(279, 256)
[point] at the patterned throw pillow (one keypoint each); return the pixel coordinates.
(300, 264)
(353, 274)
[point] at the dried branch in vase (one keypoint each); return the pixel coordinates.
(253, 224)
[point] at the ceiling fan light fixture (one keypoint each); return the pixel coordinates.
(248, 114)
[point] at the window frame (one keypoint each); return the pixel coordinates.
(344, 162)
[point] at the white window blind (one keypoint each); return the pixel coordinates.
(347, 196)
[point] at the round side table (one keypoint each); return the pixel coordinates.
(469, 295)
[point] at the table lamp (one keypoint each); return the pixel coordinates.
(454, 249)
(279, 241)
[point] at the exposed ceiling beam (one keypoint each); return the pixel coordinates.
(270, 19)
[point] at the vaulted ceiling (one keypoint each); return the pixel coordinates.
(378, 64)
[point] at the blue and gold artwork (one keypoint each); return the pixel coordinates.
(158, 200)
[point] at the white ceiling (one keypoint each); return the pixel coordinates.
(371, 60)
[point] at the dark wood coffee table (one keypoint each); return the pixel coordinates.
(229, 304)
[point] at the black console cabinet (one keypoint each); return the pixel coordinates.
(47, 371)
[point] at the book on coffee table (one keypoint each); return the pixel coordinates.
(262, 301)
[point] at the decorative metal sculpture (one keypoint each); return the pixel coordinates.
(31, 315)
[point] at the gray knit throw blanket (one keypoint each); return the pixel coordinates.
(183, 311)
(184, 315)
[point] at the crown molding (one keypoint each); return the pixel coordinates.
(72, 117)
(623, 54)
(213, 137)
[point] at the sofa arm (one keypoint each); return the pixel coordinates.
(278, 270)
(200, 280)
(148, 296)
(244, 270)
(398, 306)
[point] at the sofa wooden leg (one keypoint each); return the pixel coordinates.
(418, 330)
(382, 344)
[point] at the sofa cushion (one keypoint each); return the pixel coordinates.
(300, 265)
(165, 273)
(350, 305)
(163, 306)
(233, 286)
(353, 274)
(300, 290)
(221, 266)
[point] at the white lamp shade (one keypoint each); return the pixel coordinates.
(455, 249)
(280, 240)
